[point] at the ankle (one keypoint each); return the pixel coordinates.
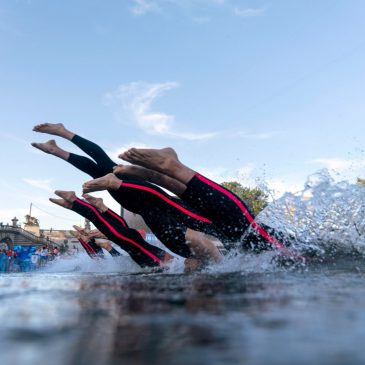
(67, 134)
(114, 183)
(102, 208)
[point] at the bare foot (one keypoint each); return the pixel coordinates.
(156, 159)
(131, 170)
(50, 128)
(107, 182)
(57, 129)
(52, 148)
(96, 202)
(152, 176)
(47, 147)
(80, 229)
(61, 202)
(105, 244)
(75, 234)
(94, 233)
(69, 196)
(79, 235)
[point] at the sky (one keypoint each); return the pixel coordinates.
(262, 92)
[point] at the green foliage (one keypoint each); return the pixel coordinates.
(255, 197)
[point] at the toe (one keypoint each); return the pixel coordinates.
(124, 156)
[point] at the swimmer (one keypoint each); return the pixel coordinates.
(89, 245)
(172, 222)
(114, 228)
(164, 168)
(227, 212)
(93, 241)
(210, 199)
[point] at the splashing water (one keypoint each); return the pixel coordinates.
(326, 218)
(327, 215)
(82, 263)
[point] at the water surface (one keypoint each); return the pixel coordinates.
(280, 317)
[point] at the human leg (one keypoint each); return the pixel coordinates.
(107, 245)
(175, 236)
(142, 173)
(96, 240)
(80, 162)
(135, 195)
(89, 245)
(141, 202)
(163, 160)
(103, 161)
(128, 239)
(230, 214)
(56, 129)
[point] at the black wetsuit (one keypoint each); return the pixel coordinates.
(95, 251)
(114, 227)
(204, 206)
(166, 216)
(91, 248)
(231, 216)
(113, 252)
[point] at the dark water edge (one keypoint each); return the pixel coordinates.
(311, 316)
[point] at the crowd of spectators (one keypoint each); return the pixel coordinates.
(27, 260)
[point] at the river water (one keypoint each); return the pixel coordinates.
(246, 310)
(281, 317)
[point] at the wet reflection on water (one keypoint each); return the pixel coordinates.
(232, 318)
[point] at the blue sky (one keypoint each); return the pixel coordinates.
(256, 91)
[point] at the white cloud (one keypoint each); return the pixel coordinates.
(249, 12)
(40, 184)
(137, 99)
(142, 7)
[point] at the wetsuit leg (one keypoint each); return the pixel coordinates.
(114, 252)
(168, 231)
(137, 195)
(91, 248)
(227, 211)
(104, 162)
(167, 217)
(140, 197)
(86, 165)
(114, 218)
(127, 238)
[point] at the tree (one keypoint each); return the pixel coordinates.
(255, 197)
